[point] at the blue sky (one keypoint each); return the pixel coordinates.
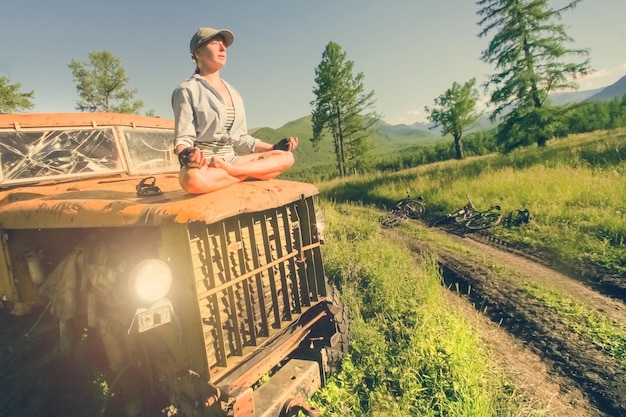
(409, 51)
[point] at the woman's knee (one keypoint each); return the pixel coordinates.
(288, 159)
(188, 180)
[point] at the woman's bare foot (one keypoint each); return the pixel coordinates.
(216, 162)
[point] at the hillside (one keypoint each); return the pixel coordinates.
(388, 139)
(617, 89)
(614, 90)
(387, 135)
(391, 139)
(302, 126)
(568, 97)
(554, 285)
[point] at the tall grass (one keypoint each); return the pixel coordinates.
(606, 333)
(575, 189)
(412, 355)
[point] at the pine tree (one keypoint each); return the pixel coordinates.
(101, 85)
(342, 108)
(11, 100)
(528, 50)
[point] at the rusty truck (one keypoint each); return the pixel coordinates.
(168, 303)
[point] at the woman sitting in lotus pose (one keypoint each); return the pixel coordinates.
(211, 122)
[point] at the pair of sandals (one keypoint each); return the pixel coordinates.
(147, 187)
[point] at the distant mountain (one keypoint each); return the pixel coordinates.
(614, 90)
(570, 97)
(393, 138)
(617, 89)
(414, 130)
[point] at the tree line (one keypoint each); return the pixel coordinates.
(568, 119)
(529, 49)
(531, 53)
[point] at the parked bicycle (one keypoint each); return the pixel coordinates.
(474, 219)
(407, 208)
(517, 218)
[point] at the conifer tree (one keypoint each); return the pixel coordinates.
(101, 85)
(11, 99)
(529, 50)
(342, 108)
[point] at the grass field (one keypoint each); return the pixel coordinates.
(574, 188)
(412, 354)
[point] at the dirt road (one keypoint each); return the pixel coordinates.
(550, 362)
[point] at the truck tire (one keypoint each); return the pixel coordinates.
(339, 342)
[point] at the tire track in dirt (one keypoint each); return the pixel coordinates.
(609, 306)
(590, 382)
(529, 373)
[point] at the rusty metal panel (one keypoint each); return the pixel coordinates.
(292, 385)
(114, 202)
(8, 292)
(93, 119)
(312, 252)
(252, 279)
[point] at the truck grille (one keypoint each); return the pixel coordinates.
(254, 274)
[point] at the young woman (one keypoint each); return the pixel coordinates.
(211, 123)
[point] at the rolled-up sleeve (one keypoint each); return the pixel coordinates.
(184, 130)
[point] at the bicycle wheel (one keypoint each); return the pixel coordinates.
(484, 220)
(389, 221)
(413, 209)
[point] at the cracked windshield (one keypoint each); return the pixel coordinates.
(34, 155)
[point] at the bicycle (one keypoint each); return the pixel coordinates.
(517, 218)
(474, 219)
(407, 208)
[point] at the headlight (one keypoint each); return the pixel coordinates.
(151, 280)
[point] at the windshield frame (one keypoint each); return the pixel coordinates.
(31, 155)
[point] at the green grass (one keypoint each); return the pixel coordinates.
(574, 188)
(595, 327)
(412, 354)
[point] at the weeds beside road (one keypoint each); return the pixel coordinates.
(574, 189)
(415, 353)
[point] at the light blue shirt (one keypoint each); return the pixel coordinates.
(200, 118)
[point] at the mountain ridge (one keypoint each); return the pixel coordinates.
(617, 89)
(424, 133)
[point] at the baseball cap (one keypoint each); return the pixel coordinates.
(203, 35)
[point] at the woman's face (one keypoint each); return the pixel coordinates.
(211, 56)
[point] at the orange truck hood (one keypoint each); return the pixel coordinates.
(114, 202)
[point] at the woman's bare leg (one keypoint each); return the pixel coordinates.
(220, 174)
(262, 166)
(206, 179)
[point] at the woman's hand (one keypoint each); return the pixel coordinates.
(191, 157)
(286, 144)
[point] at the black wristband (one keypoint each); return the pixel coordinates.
(184, 156)
(282, 145)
